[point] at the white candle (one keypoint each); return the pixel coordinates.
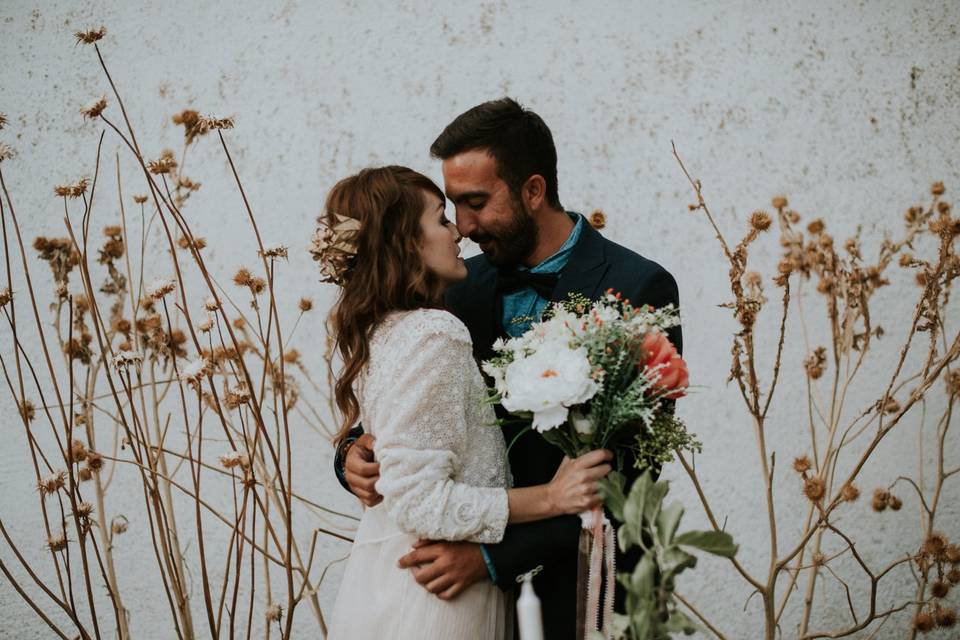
(528, 612)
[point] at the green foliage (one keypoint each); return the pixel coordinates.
(651, 610)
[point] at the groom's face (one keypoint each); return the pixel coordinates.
(487, 212)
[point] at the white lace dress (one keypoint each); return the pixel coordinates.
(443, 476)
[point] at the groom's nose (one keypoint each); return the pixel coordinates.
(466, 223)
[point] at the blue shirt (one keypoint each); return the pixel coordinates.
(524, 307)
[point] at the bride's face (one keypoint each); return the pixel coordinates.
(439, 242)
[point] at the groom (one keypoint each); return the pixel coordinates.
(500, 172)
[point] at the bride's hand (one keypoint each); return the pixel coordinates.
(574, 487)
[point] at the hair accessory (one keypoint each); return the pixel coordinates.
(335, 247)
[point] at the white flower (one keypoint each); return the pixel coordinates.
(581, 423)
(160, 287)
(210, 304)
(498, 374)
(547, 383)
(206, 324)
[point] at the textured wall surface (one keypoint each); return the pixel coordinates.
(849, 108)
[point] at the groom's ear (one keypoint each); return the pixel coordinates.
(534, 192)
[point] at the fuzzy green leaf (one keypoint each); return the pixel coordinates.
(667, 522)
(719, 543)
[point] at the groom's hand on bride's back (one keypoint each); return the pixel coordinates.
(361, 471)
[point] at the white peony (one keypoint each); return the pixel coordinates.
(547, 383)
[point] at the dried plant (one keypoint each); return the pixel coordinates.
(846, 282)
(201, 409)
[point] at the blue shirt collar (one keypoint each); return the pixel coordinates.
(556, 262)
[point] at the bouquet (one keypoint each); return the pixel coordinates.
(596, 375)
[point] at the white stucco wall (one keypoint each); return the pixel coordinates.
(848, 108)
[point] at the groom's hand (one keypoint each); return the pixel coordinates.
(445, 569)
(361, 471)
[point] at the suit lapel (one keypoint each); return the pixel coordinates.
(586, 267)
(480, 311)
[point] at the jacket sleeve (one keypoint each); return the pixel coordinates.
(338, 455)
(524, 546)
(420, 435)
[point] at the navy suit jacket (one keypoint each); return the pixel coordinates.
(595, 265)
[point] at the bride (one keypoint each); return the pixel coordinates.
(408, 374)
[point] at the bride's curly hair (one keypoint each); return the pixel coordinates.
(387, 274)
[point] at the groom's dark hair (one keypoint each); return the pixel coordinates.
(517, 138)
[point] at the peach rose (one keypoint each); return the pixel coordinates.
(673, 376)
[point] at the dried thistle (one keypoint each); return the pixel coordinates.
(210, 304)
(188, 118)
(95, 108)
(6, 297)
(814, 488)
(779, 202)
(291, 356)
(945, 617)
(194, 371)
(205, 325)
(159, 288)
(52, 483)
(954, 575)
(7, 152)
(139, 199)
(816, 362)
(937, 189)
(895, 503)
(934, 544)
(760, 220)
(119, 525)
(598, 219)
(237, 396)
(952, 553)
(57, 542)
(235, 459)
(84, 510)
(923, 622)
(78, 451)
(91, 36)
(849, 492)
(165, 165)
(802, 464)
(242, 277)
(27, 411)
(3, 120)
(306, 304)
(124, 359)
(816, 227)
(94, 461)
(940, 589)
(74, 190)
(274, 612)
(274, 251)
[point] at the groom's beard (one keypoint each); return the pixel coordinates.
(511, 244)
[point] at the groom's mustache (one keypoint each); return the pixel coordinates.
(480, 238)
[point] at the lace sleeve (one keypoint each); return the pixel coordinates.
(420, 438)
